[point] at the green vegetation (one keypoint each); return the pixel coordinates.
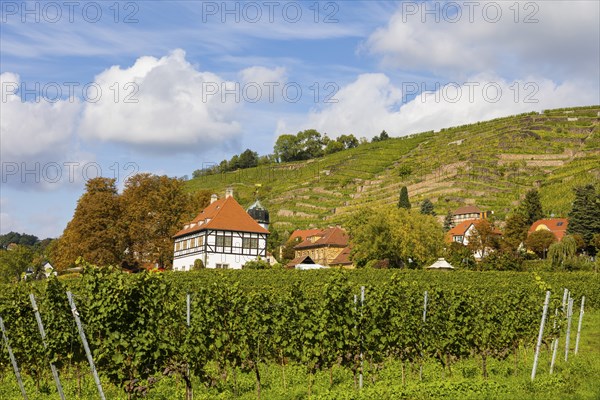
(492, 164)
(292, 334)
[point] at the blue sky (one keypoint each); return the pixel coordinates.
(172, 86)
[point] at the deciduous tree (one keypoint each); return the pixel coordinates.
(539, 242)
(94, 232)
(406, 239)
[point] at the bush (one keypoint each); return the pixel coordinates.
(198, 264)
(257, 264)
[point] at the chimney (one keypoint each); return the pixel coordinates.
(213, 198)
(229, 192)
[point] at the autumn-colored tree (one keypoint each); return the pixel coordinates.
(154, 209)
(515, 231)
(406, 239)
(93, 233)
(483, 238)
(539, 242)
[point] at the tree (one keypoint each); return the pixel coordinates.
(311, 144)
(483, 238)
(14, 262)
(515, 231)
(403, 201)
(562, 251)
(459, 256)
(539, 242)
(287, 252)
(427, 207)
(348, 141)
(531, 206)
(382, 136)
(94, 232)
(17, 238)
(448, 224)
(333, 146)
(584, 217)
(154, 209)
(287, 148)
(248, 159)
(405, 239)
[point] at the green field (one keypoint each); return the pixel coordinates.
(491, 164)
(303, 333)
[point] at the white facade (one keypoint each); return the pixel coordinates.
(218, 249)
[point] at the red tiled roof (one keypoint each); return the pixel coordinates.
(343, 258)
(461, 229)
(223, 214)
(329, 237)
(558, 226)
(304, 233)
(467, 210)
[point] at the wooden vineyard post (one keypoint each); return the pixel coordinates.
(539, 339)
(189, 391)
(38, 318)
(554, 345)
(424, 319)
(86, 347)
(13, 361)
(579, 325)
(362, 302)
(568, 335)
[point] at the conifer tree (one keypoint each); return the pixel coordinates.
(403, 201)
(427, 207)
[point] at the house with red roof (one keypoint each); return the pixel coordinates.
(329, 247)
(558, 226)
(223, 235)
(463, 231)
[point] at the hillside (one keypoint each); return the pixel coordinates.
(491, 164)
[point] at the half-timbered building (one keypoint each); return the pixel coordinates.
(223, 235)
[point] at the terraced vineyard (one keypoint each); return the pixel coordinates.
(490, 164)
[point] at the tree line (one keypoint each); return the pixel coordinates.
(304, 145)
(131, 229)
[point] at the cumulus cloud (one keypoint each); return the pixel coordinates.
(261, 75)
(373, 103)
(35, 129)
(163, 103)
(557, 39)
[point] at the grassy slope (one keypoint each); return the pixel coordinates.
(494, 165)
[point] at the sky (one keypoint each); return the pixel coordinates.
(109, 88)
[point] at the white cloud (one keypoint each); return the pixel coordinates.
(175, 109)
(371, 104)
(260, 75)
(34, 129)
(562, 43)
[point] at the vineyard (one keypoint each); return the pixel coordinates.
(293, 334)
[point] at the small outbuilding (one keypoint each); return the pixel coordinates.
(441, 264)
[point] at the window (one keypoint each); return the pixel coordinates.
(223, 241)
(459, 239)
(559, 223)
(250, 243)
(223, 266)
